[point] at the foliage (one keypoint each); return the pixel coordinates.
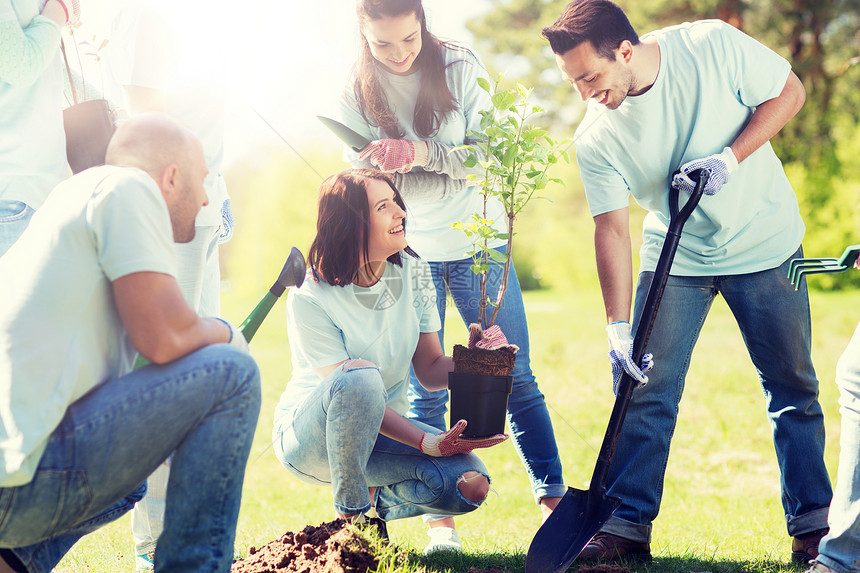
(515, 157)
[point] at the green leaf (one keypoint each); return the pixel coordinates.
(503, 100)
(485, 85)
(501, 258)
(510, 156)
(471, 161)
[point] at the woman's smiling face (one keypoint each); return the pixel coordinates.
(395, 42)
(386, 234)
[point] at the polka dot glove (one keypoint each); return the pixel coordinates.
(621, 356)
(719, 167)
(399, 155)
(73, 11)
(450, 443)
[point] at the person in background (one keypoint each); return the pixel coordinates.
(152, 58)
(362, 316)
(90, 282)
(838, 551)
(33, 146)
(699, 95)
(416, 98)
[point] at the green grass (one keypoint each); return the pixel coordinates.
(721, 510)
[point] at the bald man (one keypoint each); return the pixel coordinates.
(90, 281)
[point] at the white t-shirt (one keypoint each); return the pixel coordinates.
(151, 47)
(329, 324)
(60, 334)
(711, 78)
(33, 143)
(428, 228)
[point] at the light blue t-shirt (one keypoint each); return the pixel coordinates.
(428, 227)
(329, 324)
(710, 80)
(60, 332)
(33, 143)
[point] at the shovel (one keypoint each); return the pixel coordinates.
(355, 141)
(581, 513)
(293, 274)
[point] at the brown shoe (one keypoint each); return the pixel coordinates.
(608, 547)
(804, 548)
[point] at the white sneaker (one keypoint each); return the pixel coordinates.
(442, 539)
(144, 562)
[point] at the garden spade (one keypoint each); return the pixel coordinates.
(581, 513)
(293, 274)
(354, 140)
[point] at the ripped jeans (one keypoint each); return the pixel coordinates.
(333, 438)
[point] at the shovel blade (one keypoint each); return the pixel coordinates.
(577, 518)
(292, 274)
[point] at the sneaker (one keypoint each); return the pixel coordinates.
(443, 539)
(608, 547)
(804, 548)
(144, 562)
(817, 567)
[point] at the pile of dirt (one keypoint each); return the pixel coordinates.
(329, 548)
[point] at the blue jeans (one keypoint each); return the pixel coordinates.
(14, 218)
(840, 549)
(333, 438)
(528, 417)
(776, 327)
(203, 406)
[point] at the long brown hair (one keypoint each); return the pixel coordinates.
(435, 99)
(341, 242)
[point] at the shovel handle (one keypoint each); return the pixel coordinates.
(646, 323)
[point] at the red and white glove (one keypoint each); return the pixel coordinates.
(490, 339)
(400, 155)
(450, 443)
(72, 9)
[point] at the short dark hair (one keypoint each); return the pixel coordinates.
(601, 22)
(342, 223)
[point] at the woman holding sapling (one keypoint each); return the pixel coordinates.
(416, 98)
(362, 316)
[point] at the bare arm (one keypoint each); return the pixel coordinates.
(430, 364)
(159, 322)
(770, 117)
(614, 262)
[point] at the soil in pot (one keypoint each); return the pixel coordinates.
(329, 548)
(499, 362)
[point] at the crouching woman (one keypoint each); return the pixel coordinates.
(366, 312)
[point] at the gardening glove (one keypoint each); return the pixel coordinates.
(450, 443)
(490, 339)
(237, 339)
(621, 356)
(719, 167)
(399, 155)
(72, 9)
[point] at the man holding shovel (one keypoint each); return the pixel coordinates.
(693, 96)
(92, 279)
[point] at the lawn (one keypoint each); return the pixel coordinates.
(721, 510)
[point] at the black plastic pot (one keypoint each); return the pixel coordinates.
(480, 400)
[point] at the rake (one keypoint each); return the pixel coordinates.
(799, 267)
